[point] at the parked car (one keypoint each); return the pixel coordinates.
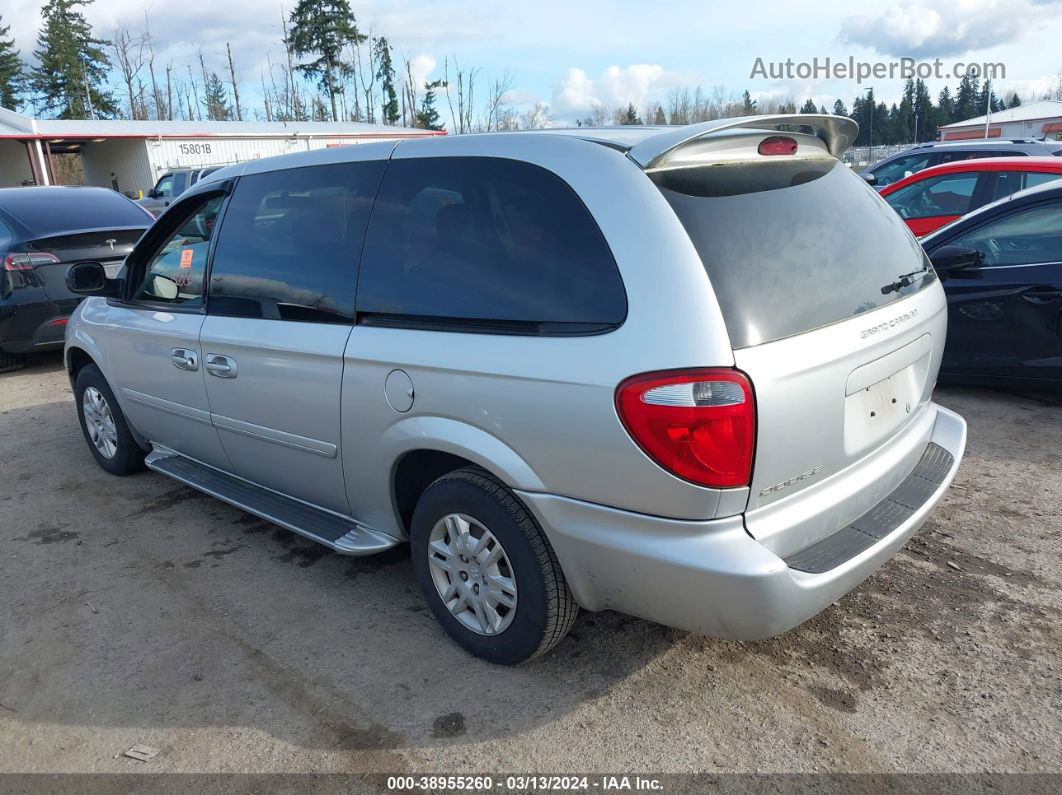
(938, 195)
(1001, 267)
(43, 230)
(171, 185)
(910, 161)
(681, 373)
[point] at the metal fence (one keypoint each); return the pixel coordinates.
(863, 156)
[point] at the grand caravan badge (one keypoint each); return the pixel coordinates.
(888, 324)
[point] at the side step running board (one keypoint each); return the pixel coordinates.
(343, 535)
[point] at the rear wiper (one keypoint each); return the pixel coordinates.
(906, 280)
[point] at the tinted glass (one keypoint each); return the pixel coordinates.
(164, 187)
(175, 273)
(948, 194)
(1025, 237)
(289, 245)
(899, 168)
(51, 211)
(792, 245)
(495, 244)
(180, 182)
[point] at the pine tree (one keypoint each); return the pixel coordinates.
(385, 73)
(630, 116)
(823, 111)
(322, 28)
(839, 109)
(968, 98)
(216, 99)
(925, 126)
(428, 117)
(748, 104)
(12, 76)
(70, 78)
(1015, 101)
(660, 117)
(945, 112)
(809, 107)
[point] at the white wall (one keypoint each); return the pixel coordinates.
(170, 153)
(126, 158)
(14, 164)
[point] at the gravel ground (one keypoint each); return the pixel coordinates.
(138, 611)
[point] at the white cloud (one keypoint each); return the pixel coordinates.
(576, 93)
(939, 28)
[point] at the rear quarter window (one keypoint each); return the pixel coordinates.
(486, 244)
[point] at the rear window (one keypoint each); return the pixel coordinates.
(792, 245)
(48, 212)
(485, 244)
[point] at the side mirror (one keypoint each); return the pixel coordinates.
(90, 278)
(153, 194)
(872, 179)
(955, 258)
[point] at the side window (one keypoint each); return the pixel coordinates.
(1023, 237)
(948, 194)
(486, 244)
(1032, 180)
(174, 274)
(288, 249)
(180, 182)
(164, 187)
(899, 168)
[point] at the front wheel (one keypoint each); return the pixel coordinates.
(487, 570)
(104, 426)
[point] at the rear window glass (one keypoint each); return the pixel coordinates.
(792, 245)
(49, 211)
(488, 244)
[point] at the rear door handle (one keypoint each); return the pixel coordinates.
(221, 366)
(184, 359)
(1042, 294)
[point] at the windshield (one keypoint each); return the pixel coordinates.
(793, 245)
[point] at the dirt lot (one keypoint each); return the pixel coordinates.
(139, 611)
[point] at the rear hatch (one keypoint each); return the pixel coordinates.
(52, 256)
(836, 317)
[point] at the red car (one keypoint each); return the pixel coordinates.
(935, 196)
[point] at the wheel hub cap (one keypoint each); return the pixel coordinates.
(99, 422)
(472, 574)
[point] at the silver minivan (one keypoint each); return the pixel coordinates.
(684, 373)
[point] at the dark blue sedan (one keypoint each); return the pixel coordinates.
(1001, 267)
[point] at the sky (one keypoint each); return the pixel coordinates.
(572, 54)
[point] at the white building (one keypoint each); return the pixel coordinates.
(1036, 120)
(129, 156)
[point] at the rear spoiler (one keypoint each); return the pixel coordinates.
(838, 132)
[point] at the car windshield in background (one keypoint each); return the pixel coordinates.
(792, 245)
(45, 213)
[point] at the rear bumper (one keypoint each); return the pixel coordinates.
(713, 577)
(29, 327)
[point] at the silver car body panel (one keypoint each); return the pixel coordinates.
(308, 413)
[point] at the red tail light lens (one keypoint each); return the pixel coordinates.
(697, 424)
(777, 145)
(28, 261)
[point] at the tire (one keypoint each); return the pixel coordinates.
(127, 457)
(544, 606)
(11, 361)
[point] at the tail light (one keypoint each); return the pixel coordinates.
(27, 261)
(697, 424)
(777, 145)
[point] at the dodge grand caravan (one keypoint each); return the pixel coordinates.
(683, 373)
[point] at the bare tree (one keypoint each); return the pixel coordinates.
(156, 94)
(409, 94)
(536, 117)
(234, 81)
(129, 57)
(464, 85)
(498, 100)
